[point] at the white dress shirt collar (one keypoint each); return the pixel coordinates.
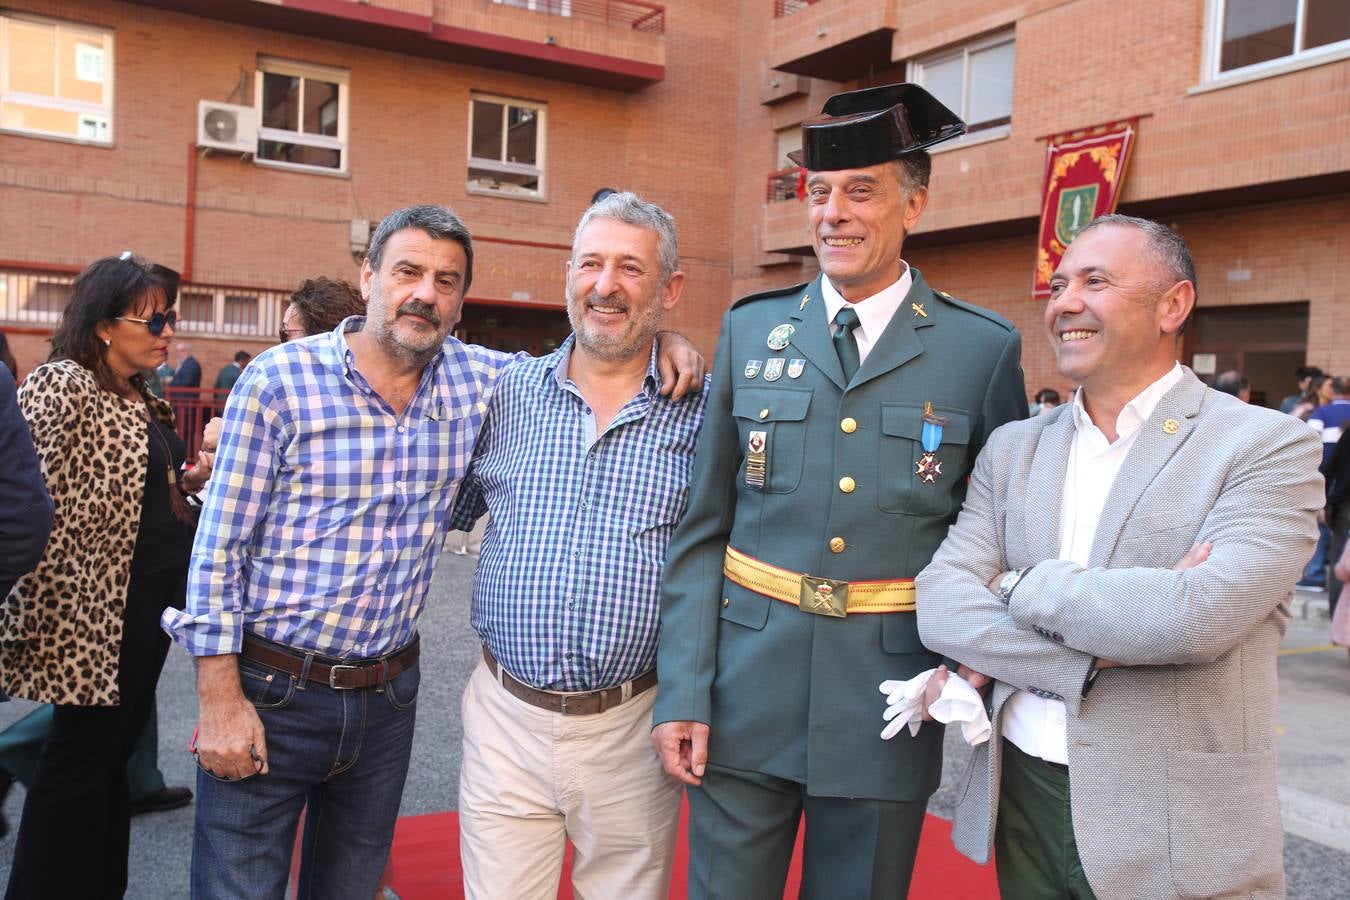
(874, 312)
(1135, 413)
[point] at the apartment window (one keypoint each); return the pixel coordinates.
(55, 78)
(552, 7)
(302, 116)
(196, 310)
(974, 81)
(1257, 32)
(506, 147)
(241, 314)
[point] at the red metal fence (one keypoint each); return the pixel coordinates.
(788, 7)
(193, 408)
(785, 184)
(636, 14)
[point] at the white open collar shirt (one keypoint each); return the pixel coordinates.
(1035, 725)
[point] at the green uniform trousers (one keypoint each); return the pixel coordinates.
(1034, 848)
(743, 825)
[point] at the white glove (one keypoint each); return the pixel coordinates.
(904, 704)
(958, 702)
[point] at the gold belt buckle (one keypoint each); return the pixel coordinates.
(824, 597)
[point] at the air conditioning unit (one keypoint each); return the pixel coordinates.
(226, 126)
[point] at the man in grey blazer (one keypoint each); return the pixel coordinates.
(1122, 569)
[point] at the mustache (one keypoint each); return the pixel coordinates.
(613, 300)
(423, 310)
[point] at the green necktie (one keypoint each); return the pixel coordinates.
(845, 344)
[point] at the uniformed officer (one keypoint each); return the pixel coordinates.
(845, 416)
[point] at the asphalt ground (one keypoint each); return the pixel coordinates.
(1314, 745)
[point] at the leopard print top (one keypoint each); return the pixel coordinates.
(61, 625)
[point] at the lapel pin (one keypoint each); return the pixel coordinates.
(919, 310)
(1171, 426)
(806, 298)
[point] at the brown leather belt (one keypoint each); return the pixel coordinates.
(339, 675)
(583, 703)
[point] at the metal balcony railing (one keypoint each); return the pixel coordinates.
(638, 15)
(788, 7)
(38, 295)
(786, 184)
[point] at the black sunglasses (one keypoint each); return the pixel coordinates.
(155, 324)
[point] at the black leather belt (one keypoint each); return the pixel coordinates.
(583, 703)
(337, 674)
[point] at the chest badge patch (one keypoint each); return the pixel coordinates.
(752, 368)
(779, 337)
(796, 367)
(773, 369)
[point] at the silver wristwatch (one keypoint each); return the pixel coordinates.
(1010, 581)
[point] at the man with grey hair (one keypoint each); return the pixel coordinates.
(321, 528)
(585, 470)
(1122, 570)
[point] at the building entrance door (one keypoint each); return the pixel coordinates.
(538, 331)
(1266, 343)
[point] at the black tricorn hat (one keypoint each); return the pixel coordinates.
(874, 125)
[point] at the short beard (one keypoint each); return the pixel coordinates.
(411, 355)
(613, 349)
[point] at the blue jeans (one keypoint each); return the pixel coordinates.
(1315, 572)
(350, 748)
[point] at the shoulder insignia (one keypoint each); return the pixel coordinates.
(791, 290)
(989, 314)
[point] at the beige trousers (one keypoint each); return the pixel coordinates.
(532, 780)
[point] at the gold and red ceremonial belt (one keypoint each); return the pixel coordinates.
(819, 596)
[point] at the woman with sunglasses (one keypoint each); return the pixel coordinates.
(82, 631)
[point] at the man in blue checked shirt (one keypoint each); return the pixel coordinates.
(585, 469)
(321, 527)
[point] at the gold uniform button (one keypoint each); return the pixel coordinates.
(837, 545)
(763, 413)
(847, 484)
(848, 426)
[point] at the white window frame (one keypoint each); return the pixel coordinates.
(85, 54)
(79, 107)
(500, 165)
(551, 7)
(1298, 59)
(916, 75)
(290, 68)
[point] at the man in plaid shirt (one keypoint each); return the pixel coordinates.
(339, 459)
(585, 470)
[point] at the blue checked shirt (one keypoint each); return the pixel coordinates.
(326, 511)
(567, 591)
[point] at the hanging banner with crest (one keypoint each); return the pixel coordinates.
(1084, 172)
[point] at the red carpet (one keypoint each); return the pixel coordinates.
(425, 864)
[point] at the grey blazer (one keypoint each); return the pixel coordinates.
(1171, 758)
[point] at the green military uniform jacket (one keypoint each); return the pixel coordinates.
(785, 692)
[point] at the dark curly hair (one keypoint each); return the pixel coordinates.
(324, 302)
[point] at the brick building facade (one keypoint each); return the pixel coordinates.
(514, 112)
(1243, 146)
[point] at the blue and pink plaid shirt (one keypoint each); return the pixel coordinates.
(326, 511)
(567, 595)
